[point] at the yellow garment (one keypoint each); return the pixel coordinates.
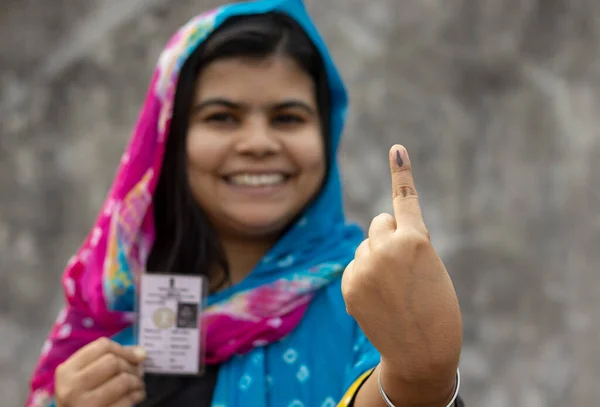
(353, 389)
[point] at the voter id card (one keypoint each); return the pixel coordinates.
(168, 323)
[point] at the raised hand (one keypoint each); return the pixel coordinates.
(399, 291)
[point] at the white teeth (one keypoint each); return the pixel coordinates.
(257, 180)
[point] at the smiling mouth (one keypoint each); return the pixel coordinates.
(257, 180)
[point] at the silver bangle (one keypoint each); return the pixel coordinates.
(389, 402)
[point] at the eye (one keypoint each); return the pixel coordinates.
(288, 118)
(222, 117)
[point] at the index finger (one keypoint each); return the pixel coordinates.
(102, 346)
(404, 192)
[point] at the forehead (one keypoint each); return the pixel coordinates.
(258, 80)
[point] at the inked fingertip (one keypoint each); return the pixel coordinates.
(399, 155)
(399, 160)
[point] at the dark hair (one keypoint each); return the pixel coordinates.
(186, 242)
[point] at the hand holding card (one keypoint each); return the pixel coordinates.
(102, 372)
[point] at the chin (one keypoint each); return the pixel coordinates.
(259, 226)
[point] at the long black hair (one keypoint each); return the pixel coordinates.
(186, 242)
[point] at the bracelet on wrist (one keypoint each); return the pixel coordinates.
(390, 404)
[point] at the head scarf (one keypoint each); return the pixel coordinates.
(100, 280)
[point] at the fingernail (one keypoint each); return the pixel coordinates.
(139, 352)
(401, 155)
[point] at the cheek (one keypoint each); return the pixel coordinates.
(203, 151)
(310, 155)
(315, 161)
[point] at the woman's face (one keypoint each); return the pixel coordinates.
(254, 147)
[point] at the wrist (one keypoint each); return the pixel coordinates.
(407, 389)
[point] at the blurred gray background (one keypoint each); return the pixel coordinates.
(497, 101)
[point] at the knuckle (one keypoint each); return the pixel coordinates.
(135, 383)
(421, 239)
(345, 287)
(113, 363)
(138, 396)
(128, 382)
(123, 383)
(64, 393)
(349, 299)
(125, 366)
(383, 219)
(350, 293)
(413, 239)
(64, 383)
(405, 190)
(104, 344)
(361, 248)
(61, 371)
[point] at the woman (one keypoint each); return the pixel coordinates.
(232, 173)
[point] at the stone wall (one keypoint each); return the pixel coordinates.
(497, 101)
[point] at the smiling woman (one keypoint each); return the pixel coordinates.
(255, 148)
(232, 174)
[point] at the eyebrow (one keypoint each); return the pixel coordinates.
(286, 104)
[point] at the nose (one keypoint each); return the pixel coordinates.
(257, 139)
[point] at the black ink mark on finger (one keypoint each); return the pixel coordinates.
(399, 160)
